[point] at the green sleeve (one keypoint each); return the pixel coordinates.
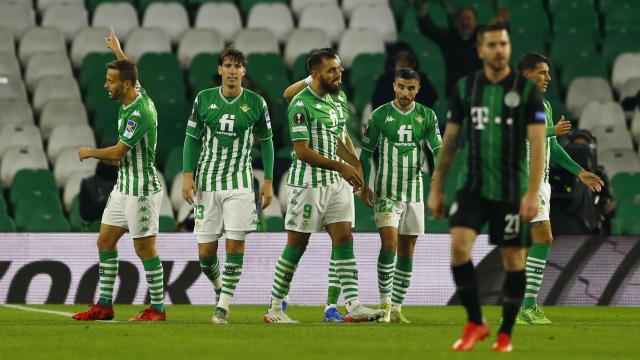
(190, 153)
(434, 140)
(263, 128)
(135, 129)
(551, 131)
(298, 118)
(266, 146)
(194, 124)
(365, 161)
(560, 157)
(371, 135)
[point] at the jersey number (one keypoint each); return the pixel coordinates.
(512, 226)
(226, 122)
(306, 214)
(199, 212)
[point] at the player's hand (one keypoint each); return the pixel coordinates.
(266, 193)
(112, 41)
(435, 202)
(591, 180)
(563, 127)
(353, 176)
(188, 187)
(367, 195)
(83, 153)
(529, 206)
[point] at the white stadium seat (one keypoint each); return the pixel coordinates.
(147, 40)
(19, 135)
(16, 112)
(88, 40)
(9, 65)
(635, 125)
(275, 17)
(41, 65)
(165, 207)
(72, 187)
(256, 41)
(121, 16)
(69, 18)
(7, 42)
(615, 161)
(221, 17)
(183, 212)
(325, 18)
(68, 162)
(176, 192)
(283, 196)
(585, 89)
(170, 17)
(41, 39)
(54, 88)
(612, 137)
(17, 158)
(359, 41)
(60, 112)
(196, 41)
(379, 18)
(17, 17)
(601, 113)
(12, 87)
(42, 5)
(630, 88)
(349, 6)
(625, 67)
(302, 41)
(66, 136)
(298, 6)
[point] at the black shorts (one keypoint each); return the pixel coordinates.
(470, 210)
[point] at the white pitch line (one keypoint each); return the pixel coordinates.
(45, 311)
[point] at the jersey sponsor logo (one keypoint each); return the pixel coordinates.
(405, 133)
(268, 118)
(244, 107)
(130, 129)
(299, 128)
(298, 118)
(191, 124)
(540, 116)
(300, 103)
(479, 116)
(213, 106)
(438, 131)
(389, 119)
(226, 125)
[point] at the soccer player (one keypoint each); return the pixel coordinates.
(135, 201)
(535, 67)
(495, 110)
(217, 147)
(317, 198)
(399, 129)
(331, 312)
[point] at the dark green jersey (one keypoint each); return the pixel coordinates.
(226, 128)
(494, 119)
(138, 129)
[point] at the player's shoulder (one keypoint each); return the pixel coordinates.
(302, 99)
(425, 111)
(252, 96)
(382, 110)
(208, 94)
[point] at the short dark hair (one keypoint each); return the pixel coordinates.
(234, 55)
(489, 28)
(463, 9)
(407, 74)
(127, 70)
(317, 55)
(530, 60)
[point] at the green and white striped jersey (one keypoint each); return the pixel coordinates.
(547, 143)
(315, 119)
(342, 104)
(138, 129)
(226, 127)
(400, 137)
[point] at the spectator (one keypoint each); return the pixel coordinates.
(400, 55)
(458, 44)
(95, 190)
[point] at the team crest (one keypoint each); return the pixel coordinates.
(244, 107)
(419, 118)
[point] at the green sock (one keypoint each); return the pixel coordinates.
(285, 268)
(333, 292)
(536, 262)
(230, 279)
(401, 282)
(385, 275)
(108, 270)
(347, 273)
(211, 269)
(155, 274)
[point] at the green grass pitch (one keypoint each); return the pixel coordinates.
(577, 333)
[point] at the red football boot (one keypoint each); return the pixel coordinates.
(95, 312)
(472, 333)
(150, 314)
(503, 343)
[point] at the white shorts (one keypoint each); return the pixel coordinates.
(352, 201)
(309, 210)
(407, 217)
(224, 211)
(139, 214)
(544, 206)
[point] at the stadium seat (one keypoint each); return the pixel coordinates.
(612, 137)
(350, 6)
(62, 112)
(576, 17)
(524, 41)
(616, 43)
(256, 41)
(378, 18)
(203, 70)
(12, 88)
(19, 135)
(58, 87)
(355, 42)
(298, 6)
(273, 224)
(93, 69)
(9, 64)
(302, 41)
(625, 187)
(635, 125)
(146, 40)
(17, 17)
(184, 212)
(7, 42)
(197, 41)
(274, 209)
(601, 113)
(15, 112)
(66, 136)
(171, 134)
(34, 205)
(72, 187)
(163, 68)
(176, 192)
(173, 164)
(54, 223)
(17, 158)
(170, 17)
(122, 16)
(165, 208)
(67, 162)
(629, 89)
(367, 67)
(41, 39)
(625, 67)
(583, 90)
(521, 18)
(275, 17)
(300, 70)
(365, 219)
(68, 18)
(41, 65)
(246, 5)
(566, 47)
(621, 18)
(221, 17)
(583, 65)
(6, 223)
(88, 40)
(167, 224)
(268, 71)
(325, 18)
(615, 161)
(31, 180)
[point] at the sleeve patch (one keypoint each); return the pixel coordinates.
(268, 119)
(298, 118)
(299, 129)
(130, 129)
(191, 124)
(540, 116)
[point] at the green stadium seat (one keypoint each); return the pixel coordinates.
(164, 68)
(31, 180)
(441, 107)
(3, 205)
(367, 67)
(576, 20)
(170, 136)
(362, 94)
(75, 220)
(167, 224)
(274, 224)
(299, 70)
(364, 217)
(524, 41)
(584, 64)
(626, 218)
(6, 224)
(529, 16)
(485, 11)
(246, 5)
(196, 3)
(53, 222)
(35, 205)
(93, 69)
(96, 100)
(269, 72)
(436, 226)
(625, 187)
(173, 165)
(203, 70)
(562, 5)
(617, 42)
(451, 183)
(607, 5)
(623, 19)
(93, 4)
(568, 46)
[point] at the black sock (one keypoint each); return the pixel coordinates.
(513, 293)
(467, 288)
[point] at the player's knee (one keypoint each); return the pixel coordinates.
(460, 252)
(513, 259)
(389, 245)
(236, 235)
(343, 239)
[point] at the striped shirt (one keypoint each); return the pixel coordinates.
(138, 129)
(401, 137)
(226, 128)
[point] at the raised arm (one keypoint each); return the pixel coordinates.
(295, 88)
(113, 43)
